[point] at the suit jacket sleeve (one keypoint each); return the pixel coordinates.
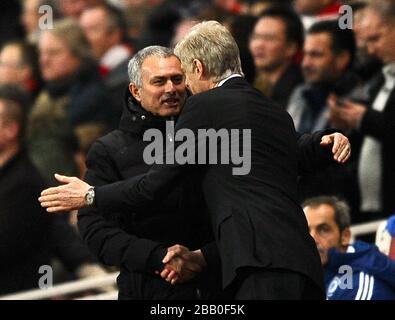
(311, 156)
(101, 230)
(138, 192)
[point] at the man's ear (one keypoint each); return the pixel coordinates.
(135, 91)
(198, 68)
(345, 237)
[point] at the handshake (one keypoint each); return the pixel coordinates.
(181, 265)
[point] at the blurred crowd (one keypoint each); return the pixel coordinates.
(63, 76)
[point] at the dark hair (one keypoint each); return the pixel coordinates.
(294, 30)
(17, 102)
(341, 208)
(115, 16)
(342, 39)
(29, 56)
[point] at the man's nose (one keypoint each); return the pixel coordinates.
(170, 87)
(371, 49)
(306, 62)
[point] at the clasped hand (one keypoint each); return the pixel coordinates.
(181, 264)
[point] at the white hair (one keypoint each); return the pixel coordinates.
(214, 46)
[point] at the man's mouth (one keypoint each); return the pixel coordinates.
(171, 102)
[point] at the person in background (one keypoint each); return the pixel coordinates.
(275, 42)
(353, 271)
(19, 66)
(104, 27)
(372, 123)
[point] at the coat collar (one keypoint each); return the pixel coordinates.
(137, 120)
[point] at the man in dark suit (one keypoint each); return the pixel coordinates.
(259, 228)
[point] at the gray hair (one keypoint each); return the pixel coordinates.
(341, 208)
(135, 64)
(213, 45)
(73, 36)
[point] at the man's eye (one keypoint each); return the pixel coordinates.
(177, 80)
(323, 230)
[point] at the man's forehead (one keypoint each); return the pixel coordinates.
(159, 66)
(371, 21)
(320, 214)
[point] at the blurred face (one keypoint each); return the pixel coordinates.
(319, 62)
(94, 24)
(324, 230)
(379, 37)
(56, 59)
(30, 15)
(12, 71)
(268, 44)
(163, 87)
(310, 7)
(73, 8)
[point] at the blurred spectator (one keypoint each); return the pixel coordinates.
(241, 27)
(161, 23)
(135, 18)
(276, 40)
(312, 11)
(73, 98)
(232, 6)
(373, 123)
(19, 66)
(385, 237)
(357, 271)
(328, 56)
(104, 28)
(29, 238)
(365, 65)
(22, 220)
(74, 8)
(30, 19)
(181, 29)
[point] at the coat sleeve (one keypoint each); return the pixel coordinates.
(101, 230)
(311, 156)
(138, 192)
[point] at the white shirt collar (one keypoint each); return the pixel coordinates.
(235, 75)
(389, 73)
(350, 249)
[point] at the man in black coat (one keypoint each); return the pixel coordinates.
(136, 241)
(259, 228)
